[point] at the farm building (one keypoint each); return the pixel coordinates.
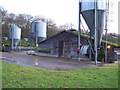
(65, 44)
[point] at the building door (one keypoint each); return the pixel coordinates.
(66, 48)
(60, 49)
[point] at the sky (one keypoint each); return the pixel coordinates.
(61, 11)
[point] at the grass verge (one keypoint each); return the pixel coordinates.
(16, 76)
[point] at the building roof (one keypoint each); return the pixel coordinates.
(75, 33)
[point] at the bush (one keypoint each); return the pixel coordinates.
(23, 43)
(44, 50)
(6, 42)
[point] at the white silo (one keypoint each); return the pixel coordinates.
(38, 30)
(93, 12)
(88, 13)
(41, 30)
(14, 35)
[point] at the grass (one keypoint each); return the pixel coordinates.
(16, 76)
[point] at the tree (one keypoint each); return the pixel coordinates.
(23, 21)
(52, 29)
(66, 27)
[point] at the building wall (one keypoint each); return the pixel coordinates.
(63, 44)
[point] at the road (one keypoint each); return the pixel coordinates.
(22, 58)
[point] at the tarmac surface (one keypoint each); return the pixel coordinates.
(42, 61)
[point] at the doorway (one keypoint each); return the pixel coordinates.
(60, 49)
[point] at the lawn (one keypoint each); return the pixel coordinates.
(16, 76)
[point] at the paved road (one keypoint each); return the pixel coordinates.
(22, 58)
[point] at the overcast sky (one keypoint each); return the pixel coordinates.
(61, 11)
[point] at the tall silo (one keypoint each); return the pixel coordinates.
(88, 12)
(14, 35)
(38, 30)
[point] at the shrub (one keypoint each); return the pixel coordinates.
(44, 50)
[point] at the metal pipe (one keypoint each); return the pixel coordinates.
(36, 30)
(79, 31)
(106, 46)
(90, 53)
(12, 37)
(106, 28)
(96, 34)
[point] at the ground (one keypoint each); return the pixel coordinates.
(44, 62)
